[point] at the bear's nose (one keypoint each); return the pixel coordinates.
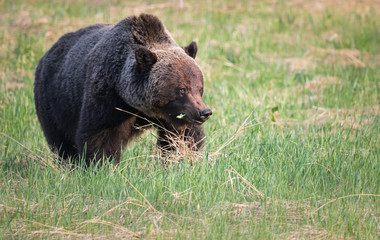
(205, 114)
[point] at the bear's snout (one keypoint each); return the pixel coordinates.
(205, 114)
(199, 112)
(199, 117)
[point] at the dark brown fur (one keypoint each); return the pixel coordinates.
(135, 65)
(111, 140)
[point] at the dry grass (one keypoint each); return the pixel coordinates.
(183, 150)
(354, 119)
(298, 64)
(117, 230)
(318, 6)
(317, 57)
(320, 83)
(310, 232)
(342, 57)
(348, 119)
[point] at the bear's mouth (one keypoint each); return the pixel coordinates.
(193, 121)
(186, 118)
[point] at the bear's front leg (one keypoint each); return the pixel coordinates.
(103, 130)
(190, 137)
(96, 145)
(108, 142)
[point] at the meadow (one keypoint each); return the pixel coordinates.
(292, 148)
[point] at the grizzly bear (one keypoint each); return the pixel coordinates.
(101, 86)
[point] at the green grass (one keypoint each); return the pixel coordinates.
(292, 148)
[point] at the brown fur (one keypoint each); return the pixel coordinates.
(151, 33)
(134, 65)
(112, 140)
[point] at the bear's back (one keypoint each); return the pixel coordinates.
(70, 48)
(59, 77)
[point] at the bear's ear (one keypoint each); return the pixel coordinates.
(145, 58)
(192, 49)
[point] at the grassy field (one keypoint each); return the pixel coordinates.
(292, 149)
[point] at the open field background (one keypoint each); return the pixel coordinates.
(293, 143)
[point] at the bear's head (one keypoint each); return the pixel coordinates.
(174, 85)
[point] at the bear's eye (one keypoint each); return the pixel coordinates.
(182, 91)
